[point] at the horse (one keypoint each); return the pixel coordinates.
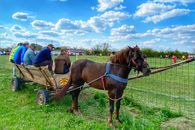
(111, 76)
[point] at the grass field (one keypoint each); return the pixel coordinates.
(148, 102)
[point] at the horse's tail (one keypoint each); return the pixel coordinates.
(60, 94)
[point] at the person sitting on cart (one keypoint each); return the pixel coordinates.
(19, 54)
(62, 62)
(30, 55)
(11, 57)
(44, 58)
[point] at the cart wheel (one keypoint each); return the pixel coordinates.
(42, 97)
(15, 84)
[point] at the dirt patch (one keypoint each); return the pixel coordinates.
(180, 123)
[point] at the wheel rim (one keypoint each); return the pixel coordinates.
(41, 99)
(13, 85)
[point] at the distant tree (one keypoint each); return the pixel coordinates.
(87, 52)
(97, 49)
(153, 53)
(106, 49)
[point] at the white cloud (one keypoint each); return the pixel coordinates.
(150, 8)
(26, 35)
(108, 4)
(21, 16)
(126, 32)
(46, 40)
(50, 33)
(96, 24)
(123, 30)
(114, 16)
(2, 27)
(177, 32)
(120, 7)
(166, 15)
(41, 24)
(66, 24)
(16, 28)
(179, 35)
(184, 2)
(150, 42)
(155, 12)
(100, 23)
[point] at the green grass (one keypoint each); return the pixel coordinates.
(140, 110)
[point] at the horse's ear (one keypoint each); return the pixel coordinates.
(130, 47)
(136, 48)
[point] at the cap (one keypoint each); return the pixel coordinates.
(51, 45)
(33, 44)
(20, 44)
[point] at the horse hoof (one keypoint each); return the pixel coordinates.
(77, 112)
(69, 110)
(119, 122)
(111, 126)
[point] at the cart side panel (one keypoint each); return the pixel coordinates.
(49, 78)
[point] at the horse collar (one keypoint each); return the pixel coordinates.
(113, 76)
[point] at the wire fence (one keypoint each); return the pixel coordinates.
(173, 89)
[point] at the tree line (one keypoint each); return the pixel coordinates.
(105, 50)
(168, 54)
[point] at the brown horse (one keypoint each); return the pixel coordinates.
(121, 64)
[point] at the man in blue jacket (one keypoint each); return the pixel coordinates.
(19, 54)
(43, 58)
(30, 55)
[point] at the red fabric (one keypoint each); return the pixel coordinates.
(174, 58)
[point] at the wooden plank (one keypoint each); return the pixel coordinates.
(18, 67)
(50, 85)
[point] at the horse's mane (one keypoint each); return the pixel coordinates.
(121, 56)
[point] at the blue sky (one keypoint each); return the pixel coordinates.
(158, 24)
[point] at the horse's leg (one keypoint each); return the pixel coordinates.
(117, 111)
(75, 108)
(118, 102)
(111, 108)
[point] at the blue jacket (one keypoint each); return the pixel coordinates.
(19, 55)
(29, 57)
(43, 55)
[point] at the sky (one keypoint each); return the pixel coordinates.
(158, 24)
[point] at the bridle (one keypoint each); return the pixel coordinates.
(133, 64)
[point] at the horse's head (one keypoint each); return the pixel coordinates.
(137, 60)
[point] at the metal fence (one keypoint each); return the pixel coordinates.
(173, 89)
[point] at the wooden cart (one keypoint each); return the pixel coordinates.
(40, 75)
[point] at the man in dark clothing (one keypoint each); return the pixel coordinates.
(62, 63)
(44, 58)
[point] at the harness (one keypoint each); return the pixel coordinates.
(115, 77)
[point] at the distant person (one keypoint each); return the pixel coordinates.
(19, 54)
(44, 58)
(174, 59)
(62, 62)
(11, 57)
(30, 55)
